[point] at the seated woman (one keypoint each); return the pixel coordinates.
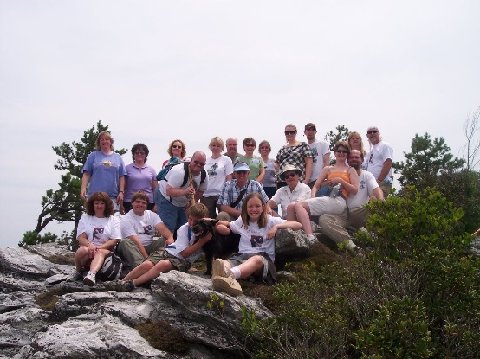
(340, 176)
(179, 256)
(98, 233)
(256, 248)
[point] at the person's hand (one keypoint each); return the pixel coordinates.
(91, 250)
(83, 193)
(271, 232)
(169, 241)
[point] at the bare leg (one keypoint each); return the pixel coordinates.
(291, 212)
(250, 266)
(161, 267)
(302, 213)
(81, 258)
(139, 270)
(98, 260)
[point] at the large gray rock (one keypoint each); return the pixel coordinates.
(43, 315)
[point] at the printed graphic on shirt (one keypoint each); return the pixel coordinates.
(213, 170)
(256, 241)
(97, 233)
(363, 184)
(147, 228)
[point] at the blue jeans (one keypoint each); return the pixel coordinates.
(172, 216)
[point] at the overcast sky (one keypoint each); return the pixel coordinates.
(157, 70)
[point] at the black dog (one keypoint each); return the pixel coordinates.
(220, 246)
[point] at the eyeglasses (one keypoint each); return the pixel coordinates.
(177, 146)
(289, 174)
(198, 163)
(241, 172)
(370, 132)
(139, 152)
(290, 133)
(249, 145)
(342, 151)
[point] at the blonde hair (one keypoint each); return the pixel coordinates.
(356, 134)
(216, 141)
(107, 135)
(183, 153)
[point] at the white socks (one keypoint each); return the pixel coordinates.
(236, 272)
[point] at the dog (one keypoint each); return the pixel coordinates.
(220, 246)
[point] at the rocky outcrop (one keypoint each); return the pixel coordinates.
(45, 315)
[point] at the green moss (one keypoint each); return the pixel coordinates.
(47, 300)
(162, 336)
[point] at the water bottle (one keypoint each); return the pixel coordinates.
(335, 190)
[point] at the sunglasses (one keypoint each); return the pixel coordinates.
(290, 133)
(139, 152)
(249, 145)
(342, 151)
(289, 174)
(198, 163)
(370, 132)
(241, 172)
(177, 146)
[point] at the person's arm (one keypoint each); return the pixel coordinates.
(83, 240)
(286, 224)
(377, 193)
(387, 165)
(233, 212)
(223, 227)
(83, 187)
(178, 192)
(121, 191)
(261, 174)
(187, 252)
(319, 182)
(326, 159)
(308, 169)
(162, 230)
(272, 204)
(110, 244)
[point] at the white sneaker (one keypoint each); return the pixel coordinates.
(89, 279)
(227, 285)
(311, 239)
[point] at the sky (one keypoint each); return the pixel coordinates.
(158, 70)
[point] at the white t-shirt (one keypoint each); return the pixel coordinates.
(254, 239)
(319, 149)
(367, 183)
(99, 230)
(217, 169)
(284, 196)
(142, 226)
(175, 179)
(185, 238)
(375, 159)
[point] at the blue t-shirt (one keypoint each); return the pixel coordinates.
(105, 172)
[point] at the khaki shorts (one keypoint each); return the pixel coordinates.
(269, 273)
(182, 265)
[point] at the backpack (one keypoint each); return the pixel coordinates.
(161, 175)
(111, 268)
(163, 172)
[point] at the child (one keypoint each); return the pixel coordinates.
(256, 248)
(179, 255)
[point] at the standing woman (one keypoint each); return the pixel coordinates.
(140, 177)
(270, 178)
(295, 153)
(98, 233)
(177, 152)
(355, 141)
(219, 168)
(104, 171)
(257, 170)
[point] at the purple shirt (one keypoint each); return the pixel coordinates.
(139, 179)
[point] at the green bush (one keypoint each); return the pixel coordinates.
(32, 238)
(416, 294)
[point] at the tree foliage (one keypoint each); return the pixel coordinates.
(427, 160)
(339, 134)
(64, 203)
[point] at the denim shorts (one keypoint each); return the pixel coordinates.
(172, 216)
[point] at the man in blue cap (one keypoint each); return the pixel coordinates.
(234, 191)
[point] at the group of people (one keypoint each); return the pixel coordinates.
(250, 195)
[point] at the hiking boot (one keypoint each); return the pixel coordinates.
(227, 285)
(75, 276)
(89, 279)
(219, 269)
(120, 285)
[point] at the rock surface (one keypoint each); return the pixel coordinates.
(45, 315)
